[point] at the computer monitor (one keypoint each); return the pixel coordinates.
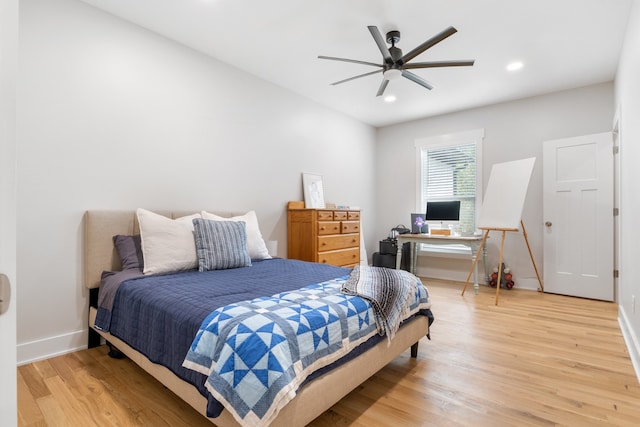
(443, 213)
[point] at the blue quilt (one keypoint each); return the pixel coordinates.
(257, 353)
(159, 315)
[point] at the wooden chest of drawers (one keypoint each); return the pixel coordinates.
(328, 236)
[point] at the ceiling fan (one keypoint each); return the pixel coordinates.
(395, 64)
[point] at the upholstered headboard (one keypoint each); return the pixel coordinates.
(99, 228)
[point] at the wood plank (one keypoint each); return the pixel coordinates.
(29, 413)
(34, 381)
(53, 412)
(534, 360)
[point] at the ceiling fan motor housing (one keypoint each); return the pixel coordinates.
(393, 37)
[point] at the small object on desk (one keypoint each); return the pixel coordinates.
(441, 231)
(418, 224)
(397, 230)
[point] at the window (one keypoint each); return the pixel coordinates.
(450, 168)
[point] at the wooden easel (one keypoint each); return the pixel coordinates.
(504, 233)
(508, 183)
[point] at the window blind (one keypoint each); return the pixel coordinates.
(449, 173)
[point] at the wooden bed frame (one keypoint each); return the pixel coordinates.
(311, 400)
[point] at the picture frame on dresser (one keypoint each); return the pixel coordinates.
(313, 190)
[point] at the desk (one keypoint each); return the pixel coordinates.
(473, 242)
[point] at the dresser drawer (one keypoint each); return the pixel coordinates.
(328, 227)
(350, 227)
(340, 257)
(325, 215)
(342, 241)
(340, 215)
(353, 215)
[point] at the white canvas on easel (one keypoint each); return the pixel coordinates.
(504, 198)
(502, 207)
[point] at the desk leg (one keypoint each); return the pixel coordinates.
(476, 286)
(475, 249)
(484, 261)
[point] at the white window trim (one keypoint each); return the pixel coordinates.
(477, 136)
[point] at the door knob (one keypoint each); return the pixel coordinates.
(5, 293)
(548, 224)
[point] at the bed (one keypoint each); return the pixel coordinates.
(311, 398)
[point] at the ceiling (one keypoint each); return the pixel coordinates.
(562, 43)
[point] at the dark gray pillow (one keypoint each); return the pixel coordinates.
(221, 244)
(129, 250)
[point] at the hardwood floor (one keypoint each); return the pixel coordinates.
(534, 360)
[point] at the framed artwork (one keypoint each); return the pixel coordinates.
(313, 190)
(418, 224)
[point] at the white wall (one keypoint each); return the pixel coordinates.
(8, 80)
(628, 103)
(513, 130)
(114, 116)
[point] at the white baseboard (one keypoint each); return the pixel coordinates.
(50, 347)
(530, 283)
(631, 339)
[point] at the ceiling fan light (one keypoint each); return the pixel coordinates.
(392, 74)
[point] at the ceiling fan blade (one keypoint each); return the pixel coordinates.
(417, 79)
(383, 86)
(355, 61)
(356, 77)
(429, 43)
(435, 64)
(381, 44)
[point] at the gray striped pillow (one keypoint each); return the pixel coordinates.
(221, 244)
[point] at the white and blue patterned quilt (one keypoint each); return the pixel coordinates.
(257, 353)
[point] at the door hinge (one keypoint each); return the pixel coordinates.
(616, 274)
(616, 211)
(616, 149)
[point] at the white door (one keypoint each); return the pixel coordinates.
(8, 64)
(578, 216)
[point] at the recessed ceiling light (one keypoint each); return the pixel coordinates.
(514, 66)
(389, 98)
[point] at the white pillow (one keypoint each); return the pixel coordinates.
(167, 244)
(255, 244)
